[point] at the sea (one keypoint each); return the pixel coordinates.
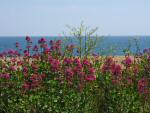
(106, 45)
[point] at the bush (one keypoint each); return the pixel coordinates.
(45, 80)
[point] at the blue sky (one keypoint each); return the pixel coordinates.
(50, 17)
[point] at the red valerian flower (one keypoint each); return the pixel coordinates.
(149, 58)
(36, 80)
(25, 69)
(86, 62)
(116, 69)
(128, 61)
(13, 68)
(28, 46)
(106, 67)
(55, 64)
(35, 67)
(13, 60)
(77, 61)
(46, 50)
(68, 61)
(26, 54)
(35, 48)
(11, 52)
(28, 39)
(81, 74)
(146, 51)
(58, 42)
(143, 85)
(77, 69)
(91, 70)
(109, 61)
(6, 76)
(51, 42)
(26, 85)
(17, 44)
(90, 78)
(42, 40)
(69, 72)
(19, 62)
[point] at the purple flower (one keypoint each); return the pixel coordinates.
(146, 51)
(35, 48)
(17, 44)
(128, 61)
(28, 39)
(6, 76)
(90, 78)
(68, 61)
(13, 68)
(69, 72)
(42, 40)
(143, 85)
(58, 42)
(51, 42)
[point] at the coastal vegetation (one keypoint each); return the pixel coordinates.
(48, 78)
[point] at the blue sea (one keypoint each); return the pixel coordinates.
(106, 45)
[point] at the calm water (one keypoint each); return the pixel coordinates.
(108, 43)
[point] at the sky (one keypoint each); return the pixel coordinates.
(50, 17)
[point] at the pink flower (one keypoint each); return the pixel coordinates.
(35, 67)
(69, 72)
(29, 46)
(55, 64)
(42, 40)
(90, 78)
(68, 61)
(143, 85)
(105, 68)
(116, 69)
(26, 86)
(77, 69)
(91, 70)
(58, 42)
(109, 61)
(35, 48)
(77, 61)
(128, 61)
(13, 68)
(19, 63)
(44, 46)
(86, 62)
(149, 58)
(11, 52)
(28, 39)
(51, 42)
(25, 69)
(17, 44)
(36, 77)
(50, 58)
(6, 76)
(26, 54)
(81, 74)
